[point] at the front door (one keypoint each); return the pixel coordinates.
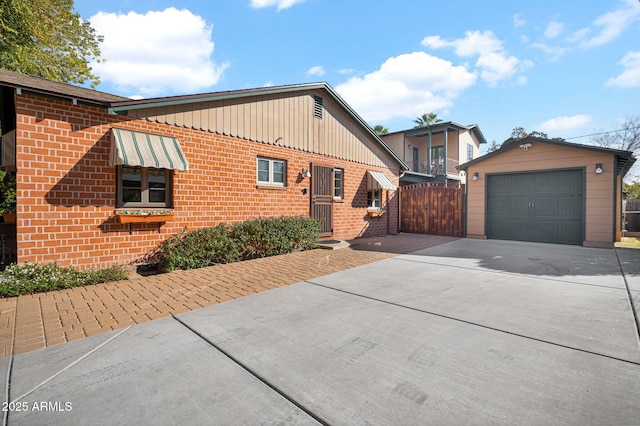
(322, 198)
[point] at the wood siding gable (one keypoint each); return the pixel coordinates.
(284, 119)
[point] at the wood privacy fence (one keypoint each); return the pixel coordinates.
(632, 215)
(435, 209)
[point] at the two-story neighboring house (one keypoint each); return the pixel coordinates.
(433, 152)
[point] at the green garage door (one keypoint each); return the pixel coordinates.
(544, 207)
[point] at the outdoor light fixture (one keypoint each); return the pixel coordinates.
(306, 172)
(598, 168)
(475, 176)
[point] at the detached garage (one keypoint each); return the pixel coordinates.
(548, 191)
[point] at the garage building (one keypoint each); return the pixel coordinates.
(550, 191)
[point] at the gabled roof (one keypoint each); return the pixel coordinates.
(128, 105)
(56, 89)
(440, 128)
(625, 158)
(119, 104)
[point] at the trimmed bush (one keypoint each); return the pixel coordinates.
(29, 278)
(199, 248)
(242, 241)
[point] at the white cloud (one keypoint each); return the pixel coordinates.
(155, 52)
(281, 4)
(518, 21)
(494, 63)
(347, 71)
(406, 86)
(610, 25)
(630, 77)
(554, 52)
(563, 123)
(316, 71)
(554, 29)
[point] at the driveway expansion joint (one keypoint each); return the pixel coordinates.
(487, 327)
(254, 374)
(515, 274)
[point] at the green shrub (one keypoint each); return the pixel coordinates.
(29, 278)
(199, 248)
(247, 240)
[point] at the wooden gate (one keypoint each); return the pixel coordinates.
(322, 198)
(428, 208)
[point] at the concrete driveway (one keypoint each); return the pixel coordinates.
(468, 332)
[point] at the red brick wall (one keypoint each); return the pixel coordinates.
(67, 191)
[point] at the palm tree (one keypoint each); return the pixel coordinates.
(380, 129)
(427, 119)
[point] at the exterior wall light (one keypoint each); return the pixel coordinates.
(598, 168)
(306, 172)
(475, 176)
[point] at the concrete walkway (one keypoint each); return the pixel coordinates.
(36, 321)
(466, 332)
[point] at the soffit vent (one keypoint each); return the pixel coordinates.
(317, 107)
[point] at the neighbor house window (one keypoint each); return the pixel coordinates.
(469, 152)
(338, 184)
(143, 187)
(271, 171)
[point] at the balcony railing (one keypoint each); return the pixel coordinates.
(436, 167)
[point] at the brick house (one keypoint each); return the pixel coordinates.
(84, 159)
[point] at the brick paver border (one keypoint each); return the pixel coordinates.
(40, 320)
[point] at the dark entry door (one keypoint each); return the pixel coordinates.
(322, 198)
(542, 206)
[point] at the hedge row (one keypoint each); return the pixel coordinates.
(242, 241)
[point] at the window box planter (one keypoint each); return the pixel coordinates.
(375, 213)
(144, 216)
(138, 218)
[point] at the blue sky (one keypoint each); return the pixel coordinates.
(567, 68)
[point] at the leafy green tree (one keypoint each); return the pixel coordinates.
(494, 146)
(632, 189)
(519, 133)
(426, 119)
(45, 38)
(380, 129)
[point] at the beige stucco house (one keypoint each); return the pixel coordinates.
(433, 152)
(547, 191)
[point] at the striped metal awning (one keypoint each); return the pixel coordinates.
(129, 148)
(382, 180)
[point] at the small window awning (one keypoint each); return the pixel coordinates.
(129, 148)
(382, 180)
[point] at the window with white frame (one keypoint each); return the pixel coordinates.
(338, 184)
(469, 152)
(271, 171)
(373, 198)
(143, 187)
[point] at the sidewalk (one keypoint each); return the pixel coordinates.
(36, 321)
